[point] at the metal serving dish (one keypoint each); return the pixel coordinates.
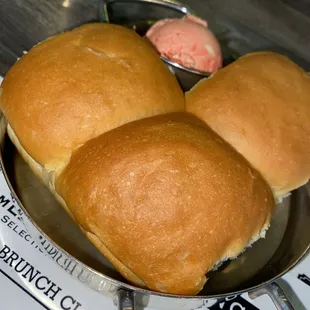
(255, 271)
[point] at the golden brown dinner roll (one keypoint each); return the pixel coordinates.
(79, 84)
(260, 104)
(165, 199)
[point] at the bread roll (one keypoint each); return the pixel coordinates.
(165, 199)
(260, 104)
(79, 84)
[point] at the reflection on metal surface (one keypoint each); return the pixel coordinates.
(66, 3)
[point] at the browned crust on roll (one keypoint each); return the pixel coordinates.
(167, 198)
(260, 104)
(79, 84)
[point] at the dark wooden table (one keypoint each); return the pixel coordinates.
(249, 24)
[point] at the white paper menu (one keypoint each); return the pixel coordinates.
(31, 280)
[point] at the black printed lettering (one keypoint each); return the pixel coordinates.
(14, 229)
(17, 266)
(68, 302)
(11, 224)
(39, 281)
(304, 278)
(77, 305)
(22, 233)
(32, 273)
(5, 219)
(27, 237)
(12, 257)
(52, 290)
(34, 276)
(5, 250)
(4, 201)
(11, 210)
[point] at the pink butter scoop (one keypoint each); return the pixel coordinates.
(188, 42)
